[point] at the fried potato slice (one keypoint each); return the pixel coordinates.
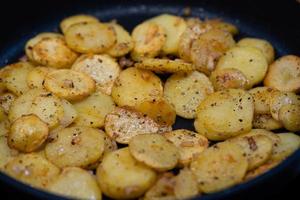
(260, 170)
(224, 26)
(124, 42)
(266, 121)
(248, 60)
(84, 142)
(225, 114)
(93, 109)
(261, 98)
(134, 86)
(66, 23)
(90, 37)
(110, 145)
(32, 169)
(36, 77)
(284, 74)
(289, 116)
(155, 151)
(70, 114)
(74, 182)
(149, 38)
(102, 68)
(186, 185)
(228, 78)
(4, 127)
(6, 152)
(219, 167)
(189, 143)
(123, 124)
(14, 77)
(6, 101)
(161, 65)
(134, 178)
(185, 91)
(69, 84)
(27, 133)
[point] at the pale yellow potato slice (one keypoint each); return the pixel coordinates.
(248, 60)
(77, 146)
(36, 77)
(90, 37)
(155, 151)
(224, 26)
(289, 116)
(186, 185)
(219, 167)
(6, 101)
(189, 143)
(32, 169)
(6, 152)
(92, 110)
(102, 68)
(27, 133)
(110, 145)
(70, 114)
(69, 84)
(66, 23)
(15, 77)
(284, 74)
(124, 42)
(185, 91)
(225, 114)
(74, 182)
(266, 121)
(123, 124)
(260, 170)
(134, 86)
(261, 98)
(120, 176)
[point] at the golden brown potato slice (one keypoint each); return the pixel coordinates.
(90, 37)
(225, 114)
(66, 23)
(102, 68)
(6, 153)
(186, 185)
(74, 182)
(124, 123)
(27, 133)
(6, 101)
(289, 116)
(219, 167)
(124, 42)
(77, 146)
(155, 151)
(262, 121)
(189, 143)
(120, 176)
(209, 47)
(284, 74)
(93, 109)
(228, 78)
(149, 38)
(36, 77)
(261, 97)
(15, 77)
(248, 60)
(224, 26)
(134, 86)
(260, 170)
(32, 169)
(69, 84)
(185, 91)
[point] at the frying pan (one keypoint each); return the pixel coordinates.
(275, 21)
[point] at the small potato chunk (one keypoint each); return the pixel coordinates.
(69, 84)
(228, 78)
(27, 133)
(173, 26)
(185, 91)
(93, 109)
(159, 110)
(123, 124)
(53, 52)
(36, 77)
(134, 86)
(261, 98)
(264, 46)
(189, 143)
(120, 176)
(32, 169)
(102, 68)
(124, 42)
(149, 38)
(267, 122)
(289, 115)
(209, 47)
(6, 153)
(155, 151)
(66, 23)
(74, 182)
(248, 60)
(284, 74)
(186, 185)
(224, 26)
(15, 77)
(6, 100)
(77, 146)
(90, 37)
(225, 114)
(219, 167)
(161, 65)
